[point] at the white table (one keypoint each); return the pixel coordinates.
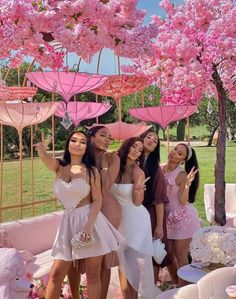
(190, 273)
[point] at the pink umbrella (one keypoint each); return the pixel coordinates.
(121, 130)
(78, 111)
(9, 93)
(118, 86)
(66, 84)
(163, 115)
(20, 115)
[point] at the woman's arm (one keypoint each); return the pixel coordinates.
(110, 170)
(183, 188)
(160, 198)
(158, 231)
(48, 160)
(139, 185)
(96, 194)
(184, 180)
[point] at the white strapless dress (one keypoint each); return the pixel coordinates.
(107, 238)
(135, 255)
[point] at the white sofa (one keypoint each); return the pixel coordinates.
(212, 285)
(230, 201)
(34, 236)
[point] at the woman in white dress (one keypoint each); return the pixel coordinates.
(135, 256)
(84, 232)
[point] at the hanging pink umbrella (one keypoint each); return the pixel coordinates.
(20, 115)
(66, 84)
(121, 130)
(11, 93)
(78, 111)
(163, 115)
(118, 86)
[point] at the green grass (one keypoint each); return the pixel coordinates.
(43, 180)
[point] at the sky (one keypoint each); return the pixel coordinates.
(108, 63)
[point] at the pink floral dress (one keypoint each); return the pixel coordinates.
(182, 220)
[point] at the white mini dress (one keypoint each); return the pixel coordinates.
(107, 238)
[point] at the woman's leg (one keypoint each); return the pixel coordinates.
(93, 273)
(173, 267)
(156, 271)
(74, 281)
(57, 274)
(105, 280)
(127, 290)
(182, 250)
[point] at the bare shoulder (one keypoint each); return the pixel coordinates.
(138, 171)
(181, 177)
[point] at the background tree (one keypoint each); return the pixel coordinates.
(195, 55)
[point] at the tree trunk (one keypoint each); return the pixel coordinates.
(180, 130)
(213, 130)
(220, 217)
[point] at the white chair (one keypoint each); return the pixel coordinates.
(230, 201)
(215, 282)
(186, 292)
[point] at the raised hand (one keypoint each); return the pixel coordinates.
(141, 185)
(42, 146)
(191, 176)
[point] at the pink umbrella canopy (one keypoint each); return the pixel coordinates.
(78, 111)
(118, 86)
(66, 84)
(121, 130)
(11, 93)
(20, 115)
(163, 115)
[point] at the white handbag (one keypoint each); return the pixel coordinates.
(159, 251)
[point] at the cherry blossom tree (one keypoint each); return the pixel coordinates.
(38, 27)
(195, 55)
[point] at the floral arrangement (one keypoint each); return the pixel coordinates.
(215, 244)
(39, 289)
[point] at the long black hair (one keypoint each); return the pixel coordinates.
(189, 164)
(123, 152)
(93, 130)
(151, 166)
(88, 158)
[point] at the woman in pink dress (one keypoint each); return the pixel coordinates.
(84, 232)
(182, 218)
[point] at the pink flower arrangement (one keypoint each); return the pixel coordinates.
(39, 289)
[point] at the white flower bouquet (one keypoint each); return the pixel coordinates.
(214, 245)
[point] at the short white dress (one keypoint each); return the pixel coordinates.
(135, 254)
(107, 238)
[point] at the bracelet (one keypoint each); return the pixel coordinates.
(104, 168)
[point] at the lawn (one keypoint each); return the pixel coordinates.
(43, 180)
